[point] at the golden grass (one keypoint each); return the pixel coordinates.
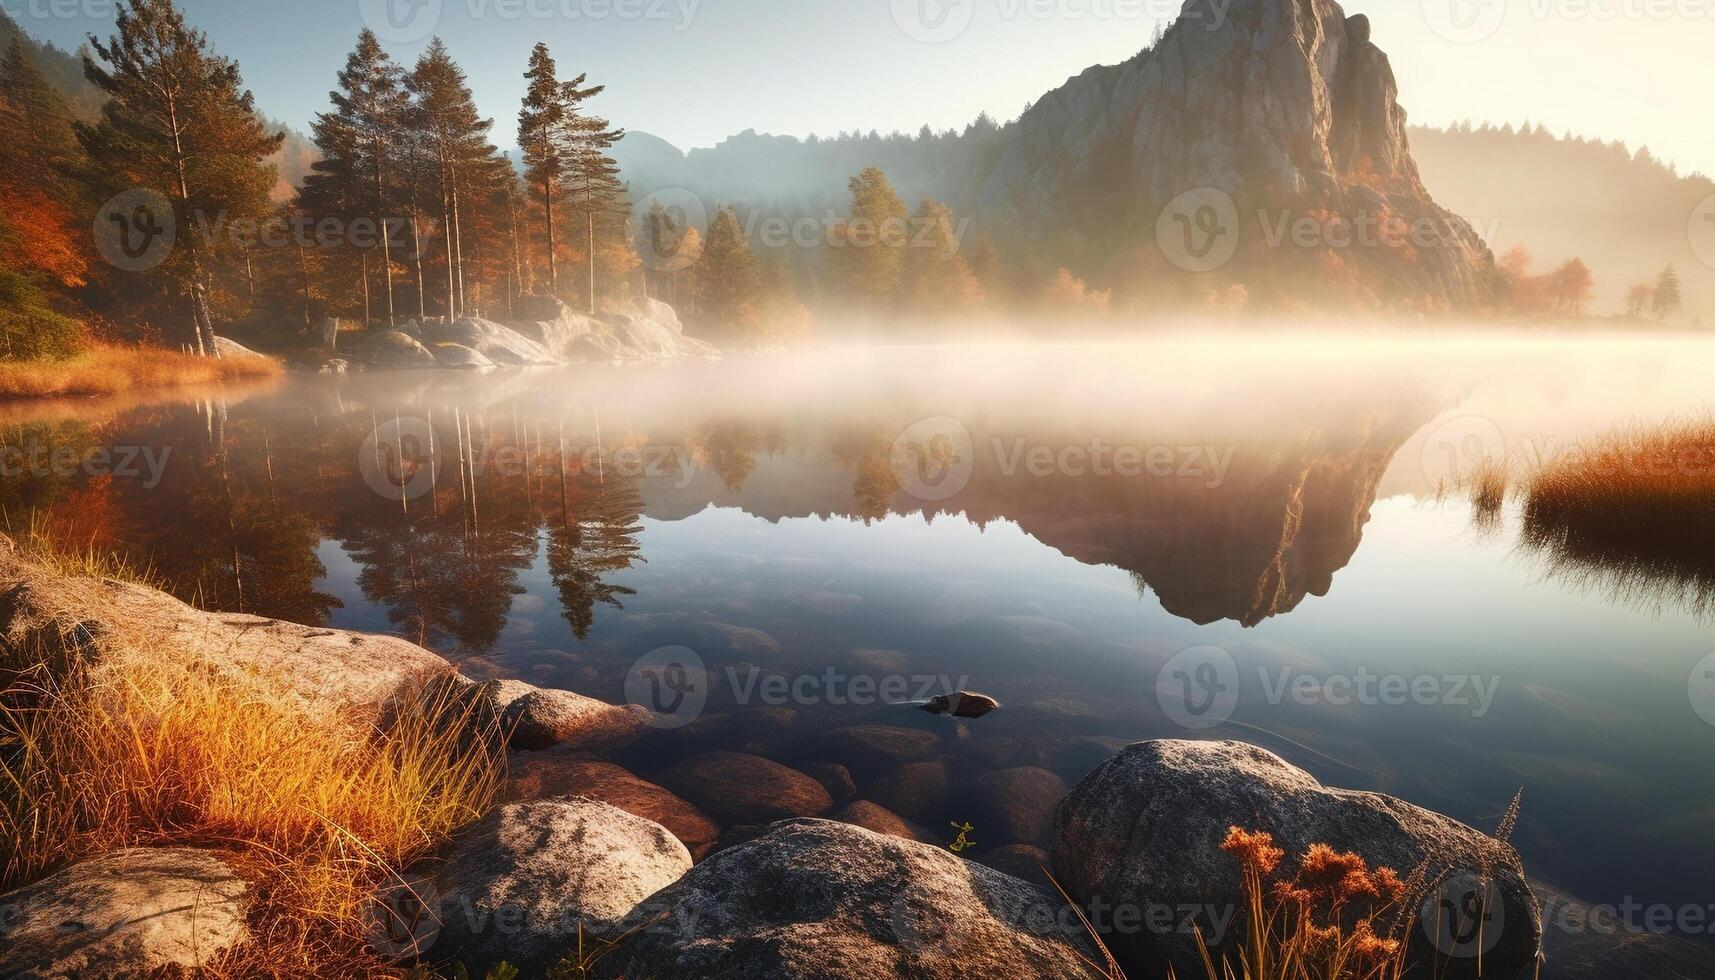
(1633, 513)
(318, 812)
(112, 370)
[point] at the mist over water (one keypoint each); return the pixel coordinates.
(1048, 523)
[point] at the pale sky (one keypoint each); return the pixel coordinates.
(695, 71)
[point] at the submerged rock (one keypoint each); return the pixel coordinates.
(813, 898)
(1146, 829)
(883, 821)
(1013, 806)
(519, 885)
(540, 776)
(126, 914)
(736, 788)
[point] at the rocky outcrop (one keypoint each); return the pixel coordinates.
(814, 898)
(113, 624)
(130, 913)
(500, 344)
(520, 885)
(646, 331)
(232, 348)
(393, 350)
(460, 357)
(739, 789)
(1146, 828)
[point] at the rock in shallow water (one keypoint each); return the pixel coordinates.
(124, 914)
(814, 898)
(1145, 830)
(543, 719)
(964, 704)
(738, 789)
(518, 886)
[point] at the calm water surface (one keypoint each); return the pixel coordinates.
(1068, 522)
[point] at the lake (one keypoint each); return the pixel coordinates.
(1226, 536)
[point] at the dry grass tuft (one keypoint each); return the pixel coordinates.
(318, 811)
(111, 370)
(1635, 513)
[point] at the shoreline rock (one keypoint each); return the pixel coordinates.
(1145, 830)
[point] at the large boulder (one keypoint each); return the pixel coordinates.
(814, 898)
(499, 344)
(126, 914)
(640, 331)
(534, 776)
(232, 348)
(522, 884)
(392, 350)
(737, 788)
(460, 357)
(114, 625)
(1145, 830)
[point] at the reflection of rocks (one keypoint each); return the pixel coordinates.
(736, 788)
(535, 876)
(1013, 806)
(1148, 826)
(542, 776)
(820, 899)
(130, 913)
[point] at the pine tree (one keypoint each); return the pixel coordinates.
(541, 134)
(40, 130)
(177, 120)
(465, 162)
(1668, 299)
(362, 137)
(594, 191)
(728, 280)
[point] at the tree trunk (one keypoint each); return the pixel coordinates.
(553, 263)
(367, 317)
(458, 245)
(304, 269)
(417, 260)
(386, 233)
(590, 218)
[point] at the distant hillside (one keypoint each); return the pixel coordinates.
(1623, 212)
(65, 70)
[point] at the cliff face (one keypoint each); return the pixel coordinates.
(1286, 106)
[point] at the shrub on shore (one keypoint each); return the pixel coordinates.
(111, 370)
